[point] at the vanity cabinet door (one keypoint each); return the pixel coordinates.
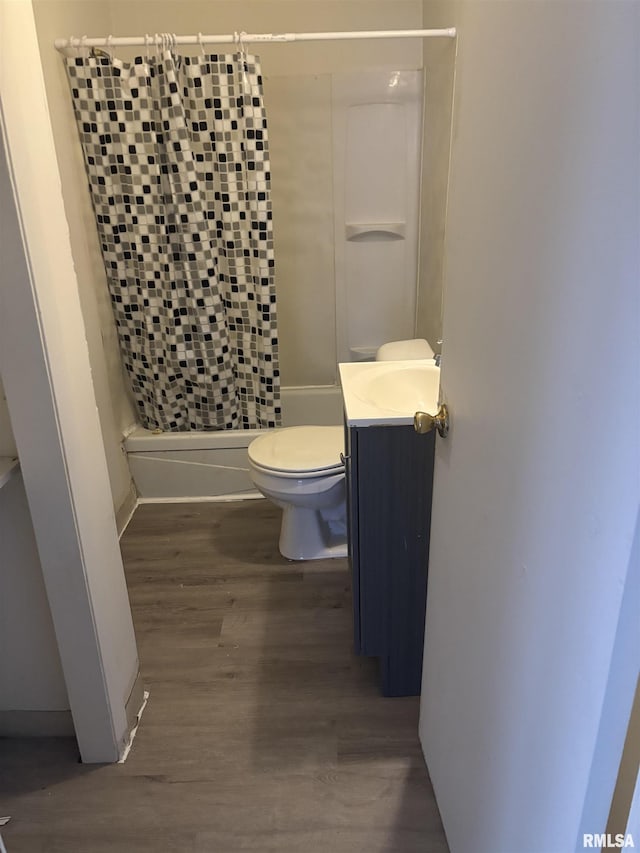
(411, 485)
(390, 484)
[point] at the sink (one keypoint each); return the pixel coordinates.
(389, 391)
(401, 388)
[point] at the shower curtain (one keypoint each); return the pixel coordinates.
(176, 153)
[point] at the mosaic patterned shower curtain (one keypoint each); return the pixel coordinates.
(176, 154)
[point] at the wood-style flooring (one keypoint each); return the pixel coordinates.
(263, 731)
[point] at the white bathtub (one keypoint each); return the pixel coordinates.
(196, 465)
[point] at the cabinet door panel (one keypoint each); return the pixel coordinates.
(394, 483)
(411, 480)
(376, 446)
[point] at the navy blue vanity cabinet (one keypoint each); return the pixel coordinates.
(389, 486)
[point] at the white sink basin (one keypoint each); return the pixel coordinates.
(401, 389)
(391, 391)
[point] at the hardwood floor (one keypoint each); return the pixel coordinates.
(263, 731)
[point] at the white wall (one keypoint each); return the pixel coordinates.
(53, 18)
(439, 69)
(31, 678)
(7, 441)
(541, 332)
(616, 723)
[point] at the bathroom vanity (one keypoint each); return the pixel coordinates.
(389, 470)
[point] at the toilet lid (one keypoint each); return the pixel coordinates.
(303, 449)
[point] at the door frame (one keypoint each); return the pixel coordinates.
(47, 378)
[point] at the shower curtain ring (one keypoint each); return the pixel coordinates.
(201, 43)
(241, 46)
(83, 43)
(109, 43)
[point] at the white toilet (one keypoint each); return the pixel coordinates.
(301, 469)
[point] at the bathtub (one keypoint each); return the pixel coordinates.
(210, 465)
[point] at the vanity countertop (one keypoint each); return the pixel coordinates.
(388, 393)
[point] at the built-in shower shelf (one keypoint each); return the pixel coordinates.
(9, 466)
(361, 231)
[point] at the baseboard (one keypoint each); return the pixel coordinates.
(135, 700)
(36, 724)
(242, 496)
(128, 506)
(134, 707)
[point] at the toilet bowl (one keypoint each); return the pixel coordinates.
(300, 470)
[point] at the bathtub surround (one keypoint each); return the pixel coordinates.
(176, 152)
(377, 123)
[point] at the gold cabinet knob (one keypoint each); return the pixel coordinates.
(424, 422)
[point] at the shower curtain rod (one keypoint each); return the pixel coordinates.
(246, 38)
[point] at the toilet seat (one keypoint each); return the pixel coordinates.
(300, 452)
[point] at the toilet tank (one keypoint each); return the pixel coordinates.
(404, 350)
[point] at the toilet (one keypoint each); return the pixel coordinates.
(301, 470)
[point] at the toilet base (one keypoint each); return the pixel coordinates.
(306, 535)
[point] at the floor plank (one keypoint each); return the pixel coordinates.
(263, 731)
